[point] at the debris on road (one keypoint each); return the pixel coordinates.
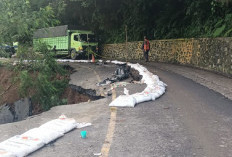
(126, 91)
(82, 125)
(97, 154)
(121, 73)
(106, 82)
(16, 111)
(89, 92)
(135, 75)
(83, 134)
(114, 86)
(119, 84)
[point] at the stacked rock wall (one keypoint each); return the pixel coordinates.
(207, 53)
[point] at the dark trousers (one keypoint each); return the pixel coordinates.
(145, 53)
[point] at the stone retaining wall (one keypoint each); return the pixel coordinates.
(207, 53)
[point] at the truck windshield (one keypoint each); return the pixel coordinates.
(87, 38)
(76, 37)
(91, 37)
(83, 37)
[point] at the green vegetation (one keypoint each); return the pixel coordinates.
(110, 18)
(157, 19)
(4, 54)
(19, 19)
(42, 78)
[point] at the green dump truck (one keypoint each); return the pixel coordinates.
(67, 39)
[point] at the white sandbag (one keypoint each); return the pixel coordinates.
(82, 125)
(66, 119)
(73, 61)
(83, 61)
(141, 97)
(5, 153)
(123, 101)
(126, 91)
(155, 77)
(46, 135)
(60, 125)
(160, 83)
(118, 62)
(21, 145)
(160, 90)
(155, 88)
(149, 89)
(154, 96)
(155, 91)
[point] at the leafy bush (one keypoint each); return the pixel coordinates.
(90, 51)
(48, 91)
(39, 78)
(4, 54)
(26, 83)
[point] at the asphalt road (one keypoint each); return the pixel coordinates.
(188, 120)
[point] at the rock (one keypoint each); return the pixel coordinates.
(6, 116)
(18, 111)
(89, 92)
(22, 109)
(135, 75)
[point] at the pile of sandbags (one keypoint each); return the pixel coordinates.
(28, 142)
(155, 88)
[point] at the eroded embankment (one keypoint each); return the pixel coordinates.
(14, 108)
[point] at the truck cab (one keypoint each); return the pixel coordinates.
(6, 50)
(83, 44)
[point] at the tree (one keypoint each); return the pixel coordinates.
(108, 18)
(18, 20)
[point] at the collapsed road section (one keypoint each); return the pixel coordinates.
(24, 108)
(155, 88)
(88, 92)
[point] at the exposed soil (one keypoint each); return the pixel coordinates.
(73, 97)
(9, 90)
(8, 86)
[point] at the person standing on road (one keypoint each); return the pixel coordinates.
(146, 48)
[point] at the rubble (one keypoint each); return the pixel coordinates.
(17, 111)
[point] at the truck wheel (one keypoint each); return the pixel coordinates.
(73, 54)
